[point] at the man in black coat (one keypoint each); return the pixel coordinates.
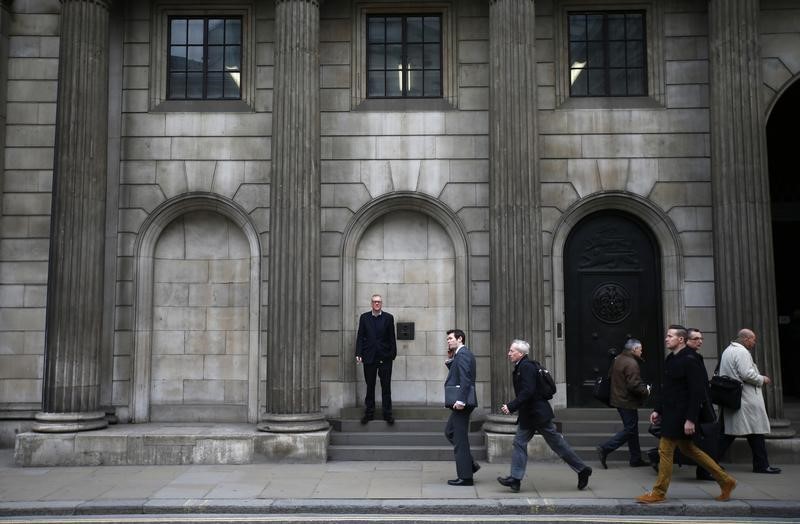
(376, 348)
(682, 391)
(535, 414)
(461, 370)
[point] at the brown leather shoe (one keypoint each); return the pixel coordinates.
(726, 488)
(650, 498)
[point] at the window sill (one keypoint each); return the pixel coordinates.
(404, 104)
(602, 102)
(202, 106)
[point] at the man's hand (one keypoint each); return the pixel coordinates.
(358, 359)
(688, 427)
(655, 417)
(458, 405)
(767, 380)
(504, 410)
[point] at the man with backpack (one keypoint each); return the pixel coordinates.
(535, 414)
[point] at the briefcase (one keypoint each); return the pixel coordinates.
(453, 393)
(726, 391)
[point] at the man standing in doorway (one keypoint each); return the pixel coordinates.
(376, 348)
(682, 391)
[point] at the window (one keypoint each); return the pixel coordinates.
(607, 54)
(404, 56)
(205, 58)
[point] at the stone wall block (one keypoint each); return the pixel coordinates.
(175, 367)
(176, 318)
(227, 318)
(227, 367)
(171, 177)
(205, 343)
(168, 343)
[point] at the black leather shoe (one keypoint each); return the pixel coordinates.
(769, 469)
(460, 482)
(366, 418)
(583, 477)
(639, 463)
(389, 420)
(701, 474)
(510, 482)
(475, 467)
(602, 454)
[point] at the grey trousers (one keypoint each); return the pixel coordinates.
(554, 439)
(457, 432)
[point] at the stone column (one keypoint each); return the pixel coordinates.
(71, 388)
(743, 255)
(293, 321)
(515, 217)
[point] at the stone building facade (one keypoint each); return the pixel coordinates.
(173, 259)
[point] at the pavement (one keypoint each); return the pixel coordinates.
(321, 491)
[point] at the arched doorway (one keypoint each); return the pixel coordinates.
(612, 292)
(785, 201)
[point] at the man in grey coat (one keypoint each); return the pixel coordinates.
(751, 420)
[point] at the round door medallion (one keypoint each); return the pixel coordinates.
(611, 302)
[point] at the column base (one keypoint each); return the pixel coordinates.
(500, 431)
(293, 423)
(69, 422)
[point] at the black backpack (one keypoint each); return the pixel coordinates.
(545, 385)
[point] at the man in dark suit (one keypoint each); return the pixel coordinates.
(535, 414)
(461, 373)
(682, 391)
(376, 348)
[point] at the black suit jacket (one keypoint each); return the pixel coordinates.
(682, 390)
(376, 339)
(533, 411)
(461, 372)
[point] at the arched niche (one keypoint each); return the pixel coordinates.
(146, 242)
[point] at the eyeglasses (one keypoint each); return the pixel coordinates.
(377, 301)
(696, 338)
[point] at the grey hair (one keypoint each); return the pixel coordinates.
(521, 346)
(632, 343)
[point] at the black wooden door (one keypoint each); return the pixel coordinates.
(612, 293)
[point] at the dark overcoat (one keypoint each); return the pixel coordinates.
(682, 391)
(533, 411)
(376, 338)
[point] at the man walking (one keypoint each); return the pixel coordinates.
(750, 420)
(694, 341)
(535, 414)
(461, 379)
(376, 348)
(682, 390)
(628, 393)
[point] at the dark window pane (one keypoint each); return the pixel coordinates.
(414, 29)
(178, 31)
(233, 57)
(177, 85)
(414, 56)
(577, 27)
(194, 58)
(433, 56)
(636, 82)
(635, 58)
(177, 58)
(616, 54)
(616, 27)
(233, 31)
(375, 57)
(414, 87)
(215, 58)
(376, 84)
(617, 82)
(578, 86)
(433, 83)
(635, 27)
(232, 85)
(394, 56)
(214, 85)
(196, 32)
(433, 28)
(597, 83)
(577, 53)
(394, 29)
(194, 85)
(375, 30)
(597, 55)
(216, 32)
(594, 25)
(394, 83)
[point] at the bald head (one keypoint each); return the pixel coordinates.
(746, 337)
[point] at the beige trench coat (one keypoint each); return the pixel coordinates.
(751, 418)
